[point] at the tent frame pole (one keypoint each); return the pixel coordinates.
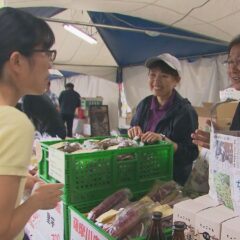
(145, 31)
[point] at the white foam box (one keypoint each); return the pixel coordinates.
(231, 229)
(210, 221)
(206, 199)
(186, 211)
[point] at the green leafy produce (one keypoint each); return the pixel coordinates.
(222, 185)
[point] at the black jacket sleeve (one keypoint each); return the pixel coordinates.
(184, 124)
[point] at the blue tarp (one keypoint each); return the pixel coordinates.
(66, 74)
(133, 48)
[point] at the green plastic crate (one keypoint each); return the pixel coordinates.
(87, 102)
(96, 175)
(85, 227)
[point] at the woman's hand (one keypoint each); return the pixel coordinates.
(151, 137)
(30, 182)
(201, 138)
(135, 131)
(46, 196)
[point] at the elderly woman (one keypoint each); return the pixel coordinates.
(202, 138)
(166, 115)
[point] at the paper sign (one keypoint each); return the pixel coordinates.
(56, 160)
(224, 168)
(49, 223)
(81, 229)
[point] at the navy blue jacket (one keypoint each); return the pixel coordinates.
(69, 100)
(179, 122)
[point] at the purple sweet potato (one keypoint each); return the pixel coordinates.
(109, 203)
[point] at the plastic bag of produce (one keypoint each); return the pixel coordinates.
(164, 191)
(128, 219)
(116, 199)
(197, 183)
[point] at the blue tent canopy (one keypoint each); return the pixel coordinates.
(130, 41)
(43, 11)
(133, 48)
(66, 74)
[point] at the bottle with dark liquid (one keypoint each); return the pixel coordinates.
(178, 230)
(155, 230)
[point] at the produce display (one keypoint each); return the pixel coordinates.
(111, 202)
(92, 145)
(133, 219)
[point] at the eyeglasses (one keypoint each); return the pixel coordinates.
(231, 62)
(50, 53)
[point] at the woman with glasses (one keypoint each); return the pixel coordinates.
(201, 137)
(24, 62)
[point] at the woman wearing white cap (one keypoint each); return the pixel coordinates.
(166, 115)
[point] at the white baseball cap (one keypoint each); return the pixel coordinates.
(170, 60)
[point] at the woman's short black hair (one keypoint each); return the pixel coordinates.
(20, 31)
(164, 67)
(235, 41)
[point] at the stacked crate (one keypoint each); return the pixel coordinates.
(91, 177)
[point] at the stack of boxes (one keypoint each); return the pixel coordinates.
(206, 219)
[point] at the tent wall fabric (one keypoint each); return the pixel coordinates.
(148, 26)
(215, 18)
(201, 81)
(90, 86)
(203, 19)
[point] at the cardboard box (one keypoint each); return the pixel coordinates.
(225, 113)
(186, 212)
(209, 221)
(204, 113)
(231, 229)
(222, 114)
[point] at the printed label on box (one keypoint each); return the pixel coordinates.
(49, 223)
(57, 164)
(81, 230)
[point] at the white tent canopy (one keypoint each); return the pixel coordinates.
(202, 79)
(215, 18)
